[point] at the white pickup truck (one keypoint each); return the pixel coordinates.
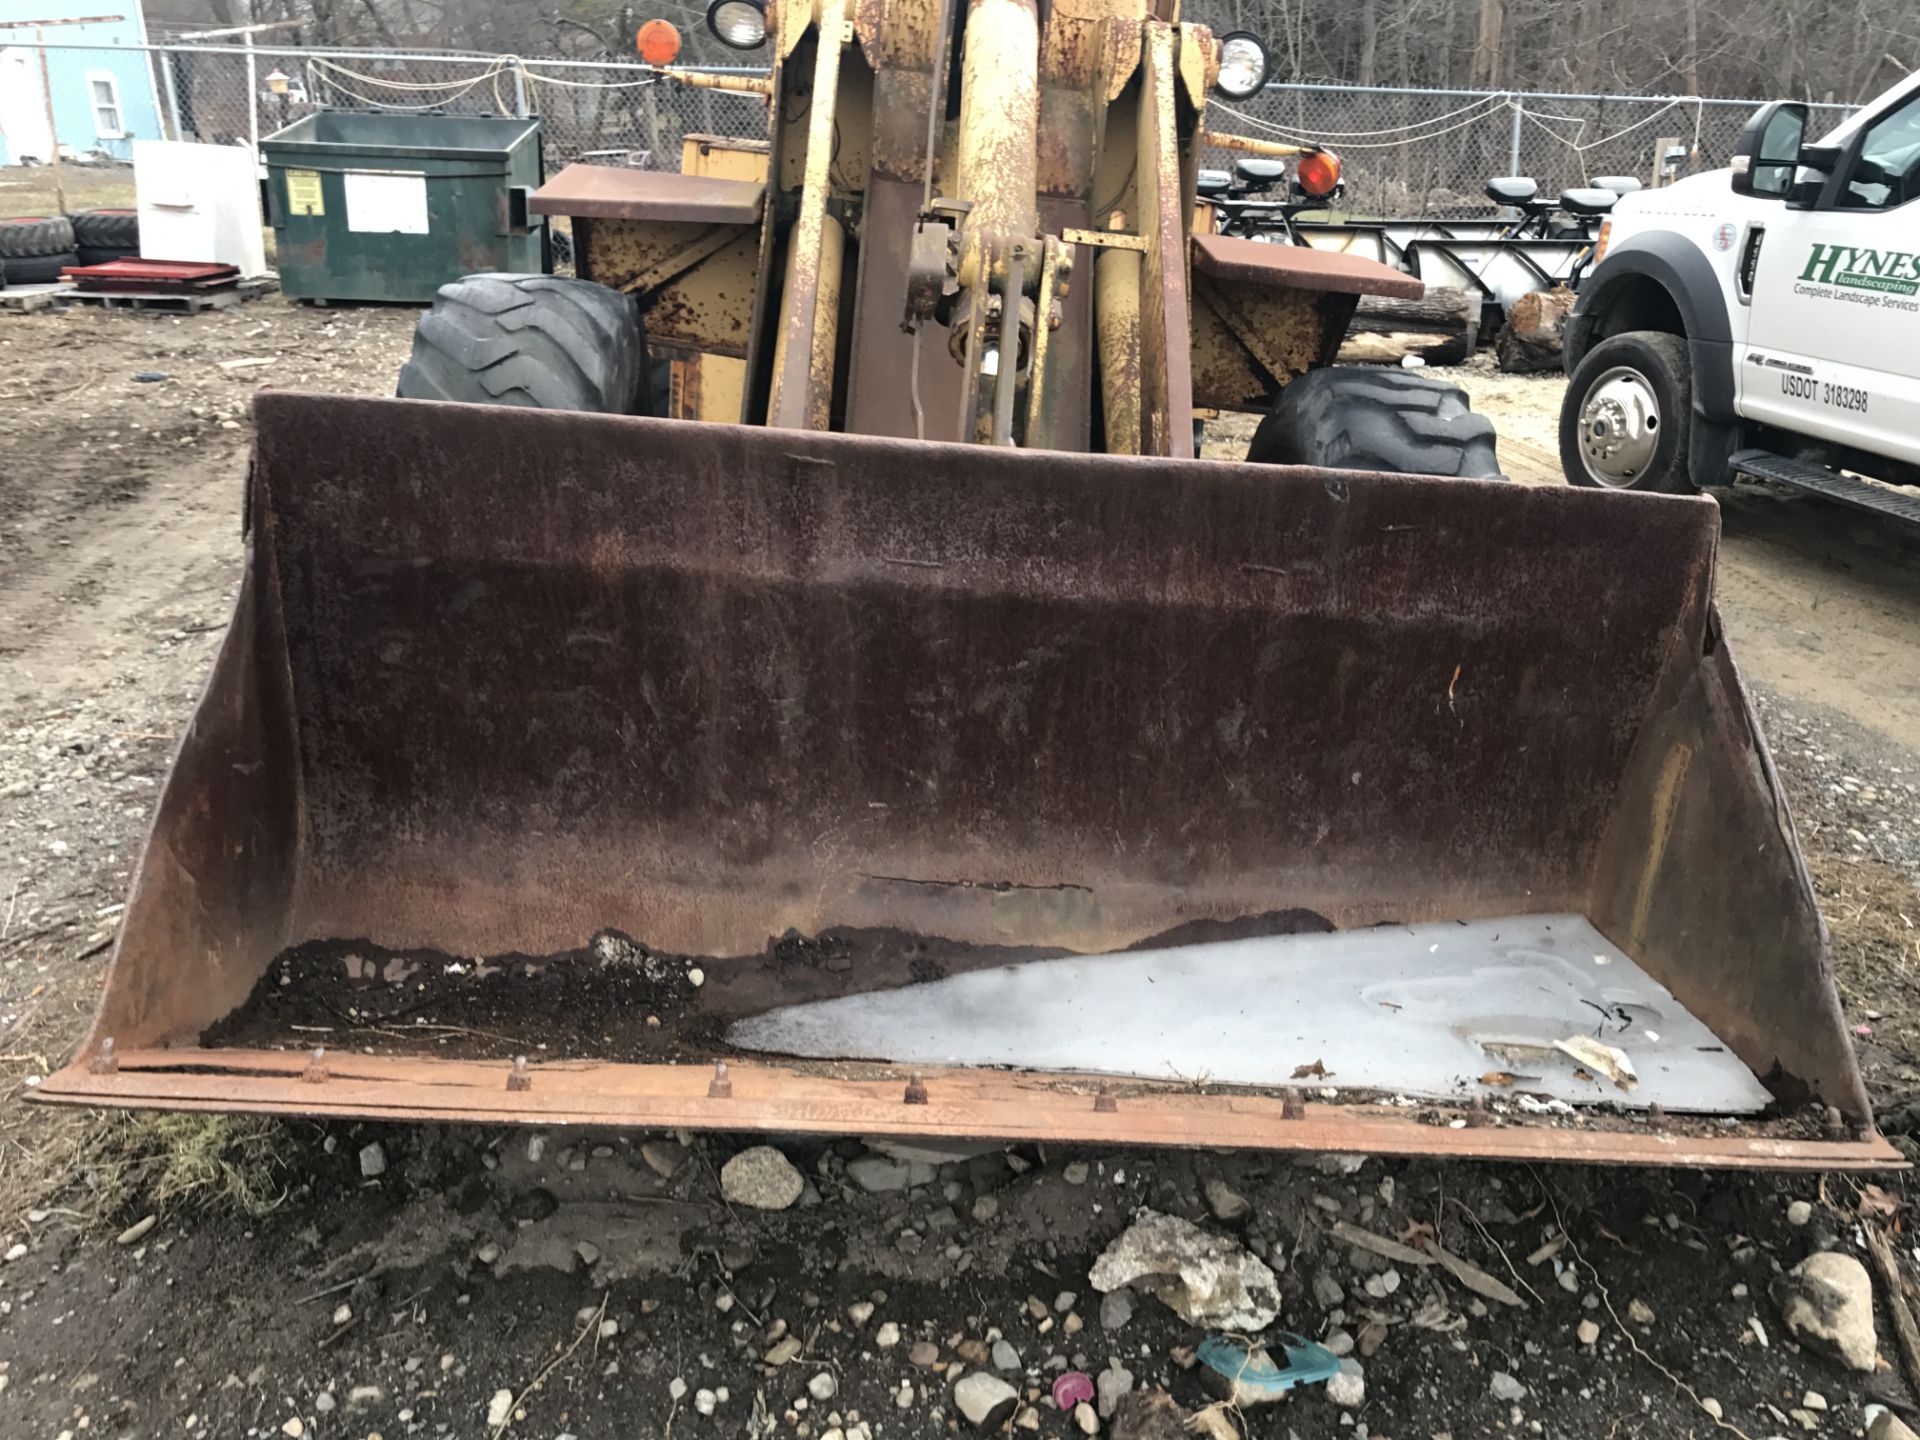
(1762, 320)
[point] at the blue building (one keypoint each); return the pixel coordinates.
(104, 95)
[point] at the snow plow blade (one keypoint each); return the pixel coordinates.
(561, 768)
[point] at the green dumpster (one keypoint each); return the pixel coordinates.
(392, 207)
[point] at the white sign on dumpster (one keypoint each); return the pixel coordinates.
(386, 201)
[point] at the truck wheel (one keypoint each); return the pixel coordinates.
(1377, 420)
(532, 340)
(1625, 420)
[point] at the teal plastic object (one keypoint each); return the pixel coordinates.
(1248, 1364)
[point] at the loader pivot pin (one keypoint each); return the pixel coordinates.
(721, 1086)
(916, 1091)
(105, 1062)
(518, 1078)
(316, 1070)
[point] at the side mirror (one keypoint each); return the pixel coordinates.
(1768, 150)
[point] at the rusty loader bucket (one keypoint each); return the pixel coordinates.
(571, 769)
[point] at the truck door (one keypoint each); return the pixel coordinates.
(1834, 327)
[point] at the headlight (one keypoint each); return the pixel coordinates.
(1243, 65)
(741, 24)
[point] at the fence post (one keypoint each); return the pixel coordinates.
(53, 124)
(519, 89)
(253, 97)
(1519, 116)
(165, 58)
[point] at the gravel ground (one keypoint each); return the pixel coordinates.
(440, 1281)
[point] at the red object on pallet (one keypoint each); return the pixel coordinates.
(150, 276)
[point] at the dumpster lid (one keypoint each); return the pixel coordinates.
(349, 132)
(609, 192)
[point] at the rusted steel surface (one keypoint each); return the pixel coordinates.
(1116, 311)
(749, 679)
(613, 193)
(1249, 341)
(802, 391)
(1701, 799)
(1166, 385)
(698, 279)
(724, 157)
(1234, 261)
(981, 1104)
(999, 129)
(880, 371)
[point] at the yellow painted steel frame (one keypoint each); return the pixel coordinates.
(1099, 104)
(708, 385)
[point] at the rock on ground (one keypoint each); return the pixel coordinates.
(1226, 1203)
(1504, 1387)
(761, 1178)
(1348, 1387)
(1111, 1385)
(1208, 1280)
(986, 1400)
(1827, 1302)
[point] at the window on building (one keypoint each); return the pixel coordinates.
(104, 90)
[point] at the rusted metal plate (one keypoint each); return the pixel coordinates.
(612, 193)
(1249, 341)
(974, 1104)
(701, 683)
(1234, 261)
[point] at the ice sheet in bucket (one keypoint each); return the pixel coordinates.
(1420, 1010)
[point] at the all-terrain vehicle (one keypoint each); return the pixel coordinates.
(1760, 320)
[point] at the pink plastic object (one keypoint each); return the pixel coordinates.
(1071, 1388)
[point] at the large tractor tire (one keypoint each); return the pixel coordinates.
(1377, 420)
(1626, 420)
(29, 237)
(38, 269)
(117, 230)
(531, 340)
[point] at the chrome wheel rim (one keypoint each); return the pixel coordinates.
(1619, 428)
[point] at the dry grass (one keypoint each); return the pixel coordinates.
(29, 190)
(200, 1162)
(97, 1166)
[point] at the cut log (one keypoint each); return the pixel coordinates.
(1440, 327)
(1530, 340)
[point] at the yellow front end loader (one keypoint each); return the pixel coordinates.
(941, 749)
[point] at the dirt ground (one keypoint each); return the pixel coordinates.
(460, 1282)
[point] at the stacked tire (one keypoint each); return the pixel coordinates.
(104, 235)
(34, 249)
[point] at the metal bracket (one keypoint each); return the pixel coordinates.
(1109, 239)
(704, 246)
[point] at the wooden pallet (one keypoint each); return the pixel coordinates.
(24, 299)
(179, 302)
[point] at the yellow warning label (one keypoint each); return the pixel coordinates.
(303, 193)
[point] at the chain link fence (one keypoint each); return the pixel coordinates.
(1430, 152)
(1406, 152)
(609, 112)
